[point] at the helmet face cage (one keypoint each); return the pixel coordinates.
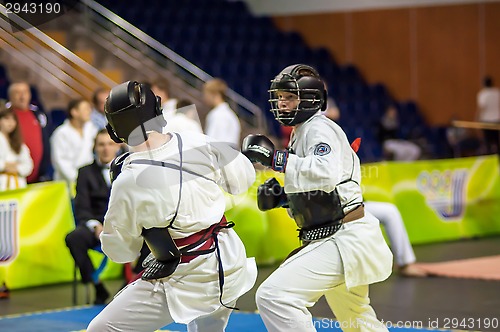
(310, 100)
(283, 116)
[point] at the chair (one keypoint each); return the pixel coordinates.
(95, 277)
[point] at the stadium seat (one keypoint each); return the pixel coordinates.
(56, 117)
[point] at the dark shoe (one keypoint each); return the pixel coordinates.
(4, 292)
(101, 294)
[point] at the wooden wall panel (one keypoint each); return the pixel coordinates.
(436, 55)
(448, 61)
(492, 41)
(381, 48)
(321, 30)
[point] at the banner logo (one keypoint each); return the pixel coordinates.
(444, 192)
(9, 232)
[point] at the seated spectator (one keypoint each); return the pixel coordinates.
(222, 123)
(72, 142)
(91, 202)
(15, 160)
(34, 129)
(97, 116)
(394, 147)
(463, 142)
(488, 107)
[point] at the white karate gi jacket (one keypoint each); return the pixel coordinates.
(322, 158)
(145, 196)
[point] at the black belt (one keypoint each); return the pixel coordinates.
(330, 228)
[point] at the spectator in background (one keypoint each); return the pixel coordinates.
(488, 107)
(182, 120)
(72, 142)
(188, 108)
(222, 123)
(161, 88)
(97, 116)
(34, 129)
(176, 121)
(15, 160)
(91, 202)
(464, 142)
(395, 148)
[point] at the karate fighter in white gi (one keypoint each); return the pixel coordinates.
(344, 250)
(170, 194)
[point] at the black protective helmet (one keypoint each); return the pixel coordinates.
(132, 109)
(303, 81)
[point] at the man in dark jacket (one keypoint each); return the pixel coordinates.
(91, 202)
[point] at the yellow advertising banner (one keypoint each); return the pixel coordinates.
(439, 200)
(33, 225)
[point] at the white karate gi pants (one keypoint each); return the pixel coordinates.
(143, 307)
(284, 297)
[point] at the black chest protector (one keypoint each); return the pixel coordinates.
(316, 208)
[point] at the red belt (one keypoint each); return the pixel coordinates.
(204, 237)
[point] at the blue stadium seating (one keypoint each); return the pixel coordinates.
(56, 117)
(226, 40)
(4, 82)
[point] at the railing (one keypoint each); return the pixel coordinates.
(128, 40)
(51, 60)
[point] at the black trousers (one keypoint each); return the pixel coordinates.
(492, 141)
(79, 242)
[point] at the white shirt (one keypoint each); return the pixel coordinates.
(181, 123)
(322, 158)
(71, 151)
(488, 101)
(168, 108)
(178, 122)
(145, 196)
(223, 125)
(23, 160)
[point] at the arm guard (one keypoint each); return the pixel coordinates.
(167, 255)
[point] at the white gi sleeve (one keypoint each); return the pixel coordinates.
(25, 163)
(236, 172)
(121, 238)
(321, 168)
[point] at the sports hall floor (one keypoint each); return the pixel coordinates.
(397, 299)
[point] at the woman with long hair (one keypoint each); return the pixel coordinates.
(15, 160)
